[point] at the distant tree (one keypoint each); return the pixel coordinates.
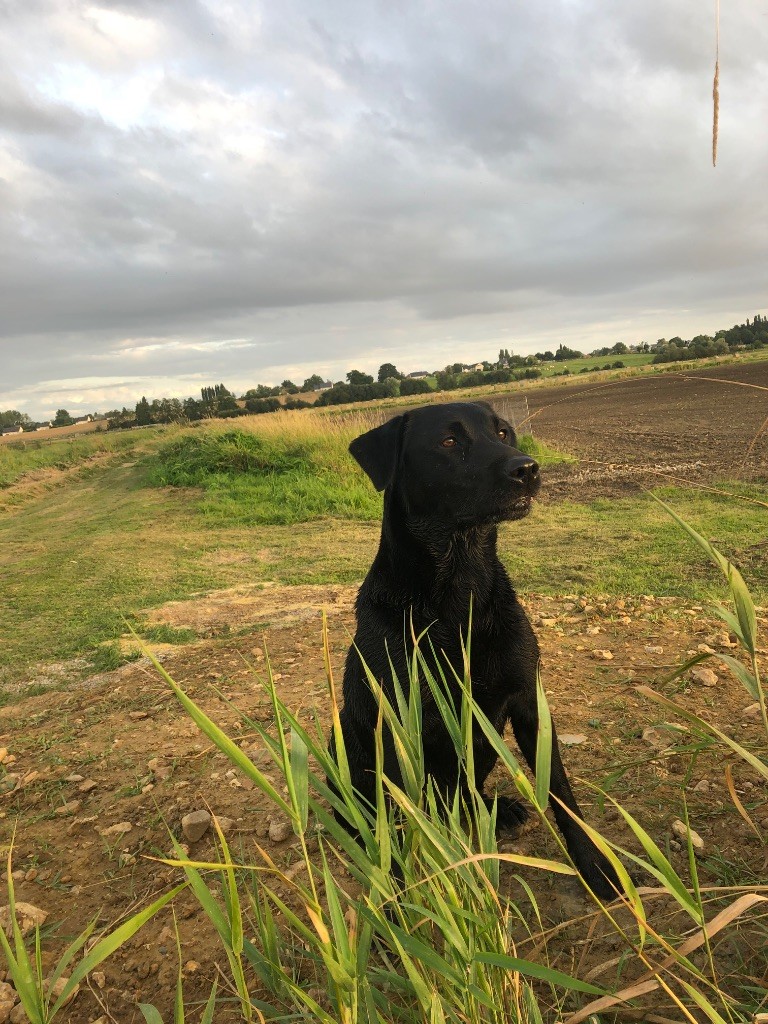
(143, 415)
(392, 386)
(62, 418)
(261, 391)
(411, 386)
(563, 352)
(357, 377)
(619, 349)
(13, 418)
(545, 357)
(312, 383)
(446, 380)
(387, 370)
(289, 387)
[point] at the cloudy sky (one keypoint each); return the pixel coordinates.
(194, 191)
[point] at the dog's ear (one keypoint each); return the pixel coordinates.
(376, 451)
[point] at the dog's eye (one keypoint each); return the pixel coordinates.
(503, 433)
(448, 442)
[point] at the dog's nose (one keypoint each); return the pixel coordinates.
(523, 469)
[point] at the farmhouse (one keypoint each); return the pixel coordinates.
(325, 386)
(418, 374)
(17, 429)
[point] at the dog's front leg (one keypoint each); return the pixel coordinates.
(594, 867)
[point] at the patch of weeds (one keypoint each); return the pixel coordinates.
(728, 872)
(165, 634)
(107, 657)
(8, 697)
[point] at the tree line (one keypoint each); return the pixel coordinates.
(218, 401)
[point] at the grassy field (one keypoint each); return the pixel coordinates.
(211, 507)
(631, 360)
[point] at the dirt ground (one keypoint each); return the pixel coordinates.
(649, 430)
(94, 775)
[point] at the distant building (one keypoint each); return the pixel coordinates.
(418, 374)
(473, 366)
(325, 386)
(17, 429)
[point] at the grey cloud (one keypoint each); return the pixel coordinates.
(301, 172)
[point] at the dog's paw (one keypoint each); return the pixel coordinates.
(600, 875)
(510, 814)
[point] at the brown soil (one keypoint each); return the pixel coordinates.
(109, 729)
(649, 430)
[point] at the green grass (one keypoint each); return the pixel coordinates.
(28, 454)
(632, 359)
(275, 478)
(75, 562)
(629, 546)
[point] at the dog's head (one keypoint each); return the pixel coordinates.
(457, 462)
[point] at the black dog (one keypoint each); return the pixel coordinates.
(450, 474)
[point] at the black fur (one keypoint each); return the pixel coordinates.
(451, 473)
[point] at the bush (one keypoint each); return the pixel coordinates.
(188, 460)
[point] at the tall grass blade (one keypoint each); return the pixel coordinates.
(543, 746)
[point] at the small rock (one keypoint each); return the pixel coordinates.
(279, 830)
(572, 739)
(68, 808)
(116, 830)
(548, 622)
(87, 786)
(650, 649)
(225, 824)
(28, 916)
(195, 825)
(191, 966)
(138, 715)
(8, 783)
(30, 875)
(602, 655)
(18, 1015)
(705, 649)
(752, 711)
(655, 738)
(8, 999)
(58, 987)
(74, 778)
(99, 978)
(704, 676)
(160, 768)
(703, 786)
(683, 833)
